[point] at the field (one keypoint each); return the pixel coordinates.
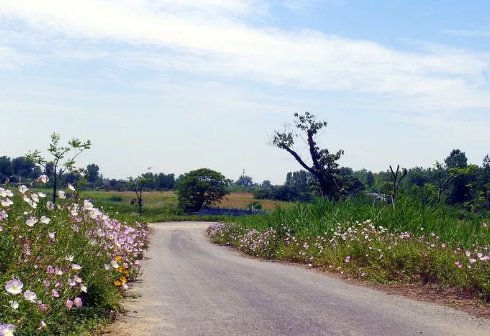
(163, 206)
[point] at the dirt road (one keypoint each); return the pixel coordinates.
(193, 288)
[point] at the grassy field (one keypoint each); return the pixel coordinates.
(163, 206)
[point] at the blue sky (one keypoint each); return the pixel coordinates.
(180, 85)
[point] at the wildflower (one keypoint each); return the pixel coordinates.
(347, 259)
(468, 253)
(14, 286)
(6, 203)
(23, 189)
(30, 296)
(83, 288)
(31, 221)
(471, 260)
(7, 329)
(50, 205)
(45, 220)
(87, 205)
(76, 267)
(43, 178)
(41, 194)
(114, 264)
(35, 197)
(54, 293)
(78, 302)
(485, 224)
(51, 235)
(42, 325)
(61, 194)
(14, 304)
(69, 303)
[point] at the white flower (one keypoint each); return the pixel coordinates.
(14, 304)
(83, 288)
(72, 188)
(23, 189)
(35, 197)
(30, 296)
(51, 235)
(41, 194)
(6, 203)
(50, 205)
(43, 178)
(61, 194)
(31, 221)
(45, 220)
(87, 205)
(114, 264)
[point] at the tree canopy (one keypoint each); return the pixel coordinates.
(201, 187)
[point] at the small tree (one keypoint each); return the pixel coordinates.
(201, 187)
(60, 163)
(324, 165)
(137, 184)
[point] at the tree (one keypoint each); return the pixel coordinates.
(22, 167)
(266, 183)
(59, 154)
(369, 179)
(137, 185)
(201, 187)
(244, 181)
(92, 173)
(323, 164)
(459, 191)
(5, 168)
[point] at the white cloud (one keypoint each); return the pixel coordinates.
(214, 38)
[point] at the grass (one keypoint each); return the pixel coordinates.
(410, 243)
(163, 206)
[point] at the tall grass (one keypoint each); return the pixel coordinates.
(412, 215)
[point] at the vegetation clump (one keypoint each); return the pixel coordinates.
(63, 265)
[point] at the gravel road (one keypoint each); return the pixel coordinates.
(192, 288)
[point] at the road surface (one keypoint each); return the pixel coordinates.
(193, 288)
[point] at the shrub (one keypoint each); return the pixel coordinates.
(115, 198)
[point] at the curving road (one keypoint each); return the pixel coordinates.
(192, 288)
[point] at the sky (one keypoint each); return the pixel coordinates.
(178, 85)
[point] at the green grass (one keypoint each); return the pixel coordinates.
(410, 243)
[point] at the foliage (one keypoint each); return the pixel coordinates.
(324, 166)
(201, 187)
(60, 163)
(406, 244)
(137, 185)
(62, 266)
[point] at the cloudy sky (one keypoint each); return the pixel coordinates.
(178, 85)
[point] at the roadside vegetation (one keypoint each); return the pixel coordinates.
(413, 227)
(63, 266)
(409, 244)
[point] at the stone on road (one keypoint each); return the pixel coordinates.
(191, 287)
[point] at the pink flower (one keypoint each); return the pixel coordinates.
(78, 302)
(69, 303)
(55, 293)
